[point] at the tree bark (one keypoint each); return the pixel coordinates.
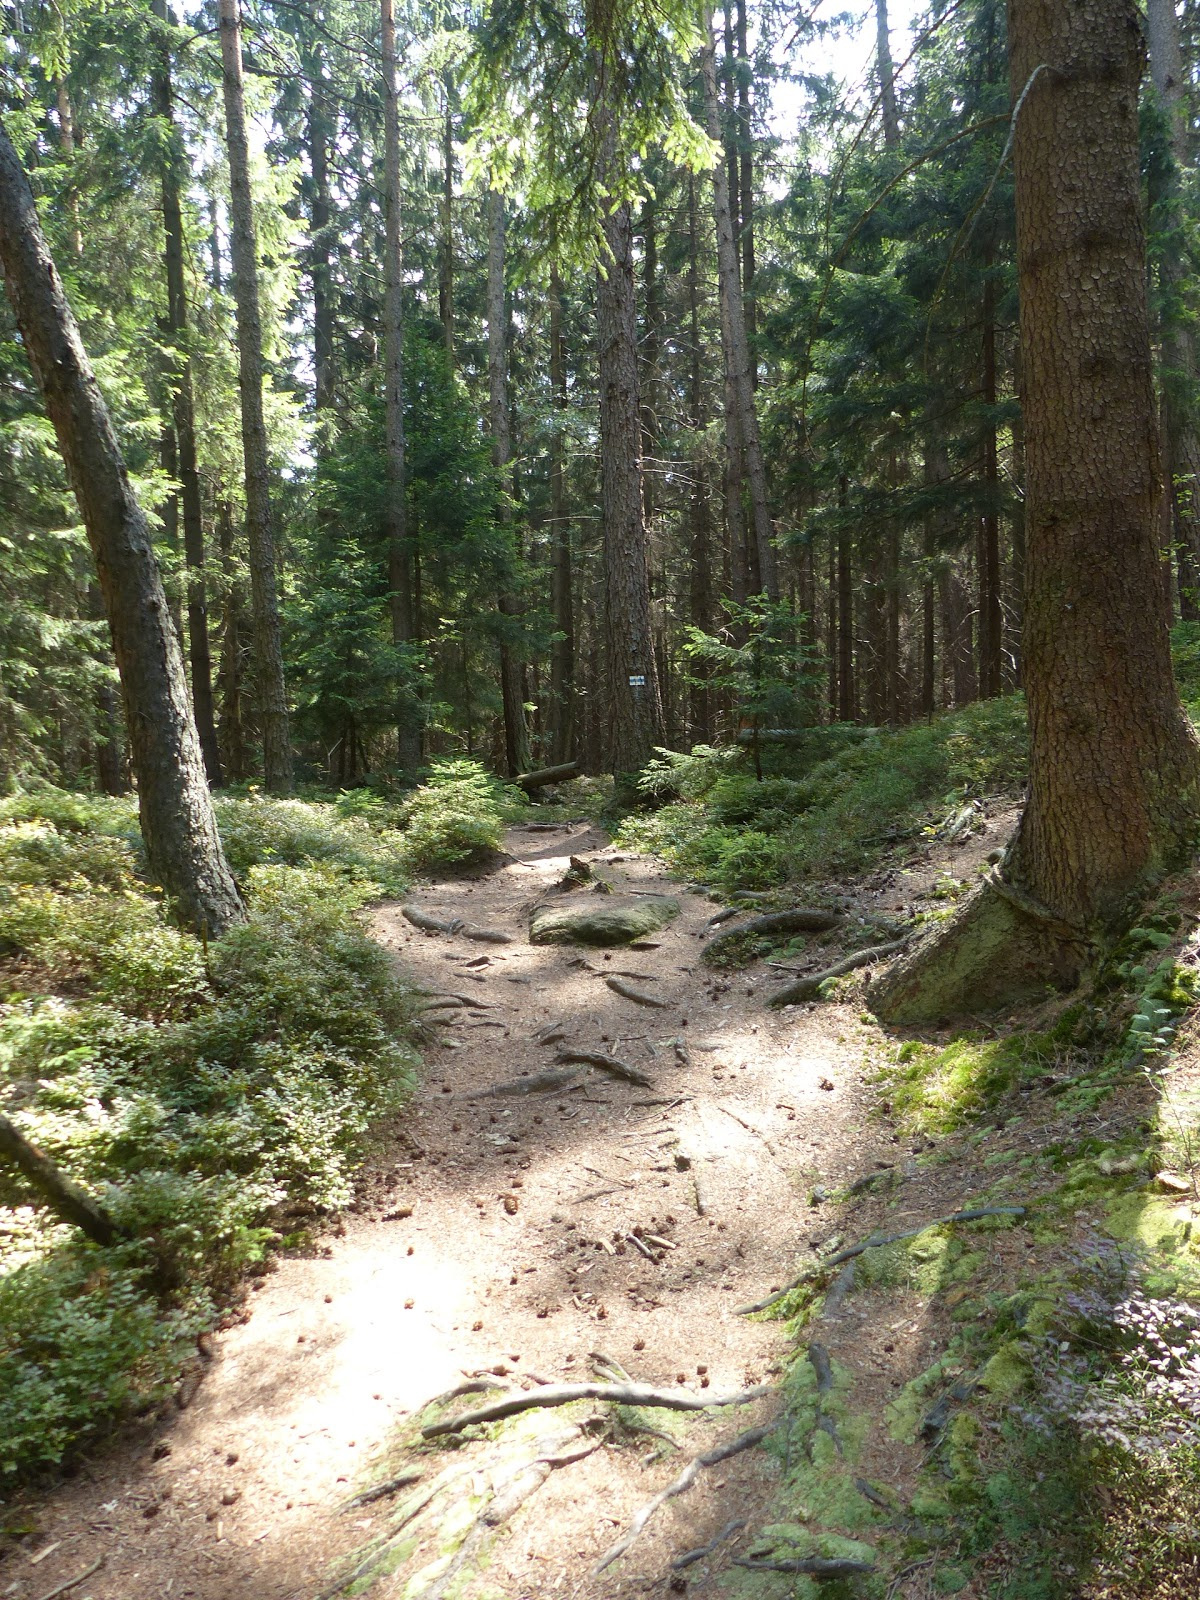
(1114, 763)
(512, 692)
(178, 825)
(701, 596)
(401, 601)
(1181, 438)
(889, 115)
(233, 664)
(846, 708)
(734, 344)
(243, 251)
(184, 417)
(324, 372)
(991, 612)
(446, 223)
(635, 706)
(562, 650)
(745, 126)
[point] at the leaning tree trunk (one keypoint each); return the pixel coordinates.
(178, 824)
(243, 251)
(512, 688)
(401, 599)
(1114, 763)
(734, 343)
(184, 416)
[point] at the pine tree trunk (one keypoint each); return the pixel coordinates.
(746, 187)
(701, 595)
(1114, 762)
(232, 726)
(268, 645)
(178, 825)
(446, 223)
(1180, 436)
(635, 708)
(991, 612)
(324, 372)
(184, 418)
(516, 731)
(889, 115)
(401, 602)
(735, 346)
(847, 709)
(562, 650)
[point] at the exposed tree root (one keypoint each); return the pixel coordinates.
(873, 1243)
(539, 1083)
(803, 919)
(814, 1566)
(621, 1394)
(690, 1557)
(808, 987)
(427, 924)
(628, 992)
(684, 1481)
(609, 1064)
(999, 947)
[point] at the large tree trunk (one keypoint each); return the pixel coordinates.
(1181, 438)
(745, 126)
(178, 825)
(889, 115)
(512, 689)
(991, 613)
(401, 600)
(446, 222)
(319, 255)
(1114, 763)
(243, 251)
(701, 596)
(635, 704)
(734, 343)
(562, 651)
(233, 654)
(184, 419)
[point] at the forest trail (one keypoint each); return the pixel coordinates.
(475, 1247)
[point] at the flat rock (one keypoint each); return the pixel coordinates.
(609, 919)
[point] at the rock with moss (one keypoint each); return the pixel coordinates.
(601, 919)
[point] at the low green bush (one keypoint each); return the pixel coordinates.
(459, 812)
(204, 1094)
(831, 807)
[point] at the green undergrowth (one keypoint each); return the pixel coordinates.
(1053, 1435)
(217, 1098)
(829, 805)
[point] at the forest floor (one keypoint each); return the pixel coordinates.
(492, 1236)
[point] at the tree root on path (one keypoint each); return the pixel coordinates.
(802, 919)
(873, 1243)
(539, 1083)
(605, 1063)
(809, 987)
(628, 992)
(814, 1566)
(452, 926)
(690, 1557)
(684, 1481)
(621, 1394)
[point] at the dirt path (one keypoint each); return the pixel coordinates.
(479, 1243)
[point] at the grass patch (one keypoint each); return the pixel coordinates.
(214, 1097)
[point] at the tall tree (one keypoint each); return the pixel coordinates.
(400, 556)
(178, 824)
(183, 406)
(512, 691)
(1114, 788)
(243, 250)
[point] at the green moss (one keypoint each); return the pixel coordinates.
(1007, 1372)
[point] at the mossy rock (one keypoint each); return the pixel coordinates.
(609, 919)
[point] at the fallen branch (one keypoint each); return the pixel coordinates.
(427, 924)
(874, 1243)
(809, 987)
(803, 919)
(485, 935)
(609, 1064)
(545, 775)
(690, 1557)
(73, 1583)
(684, 1481)
(620, 1394)
(628, 992)
(62, 1194)
(814, 1566)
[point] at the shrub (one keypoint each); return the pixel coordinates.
(459, 812)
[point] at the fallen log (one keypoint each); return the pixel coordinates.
(874, 1243)
(62, 1194)
(684, 1481)
(628, 992)
(807, 988)
(621, 1394)
(802, 919)
(545, 775)
(609, 1064)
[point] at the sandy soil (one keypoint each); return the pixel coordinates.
(478, 1244)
